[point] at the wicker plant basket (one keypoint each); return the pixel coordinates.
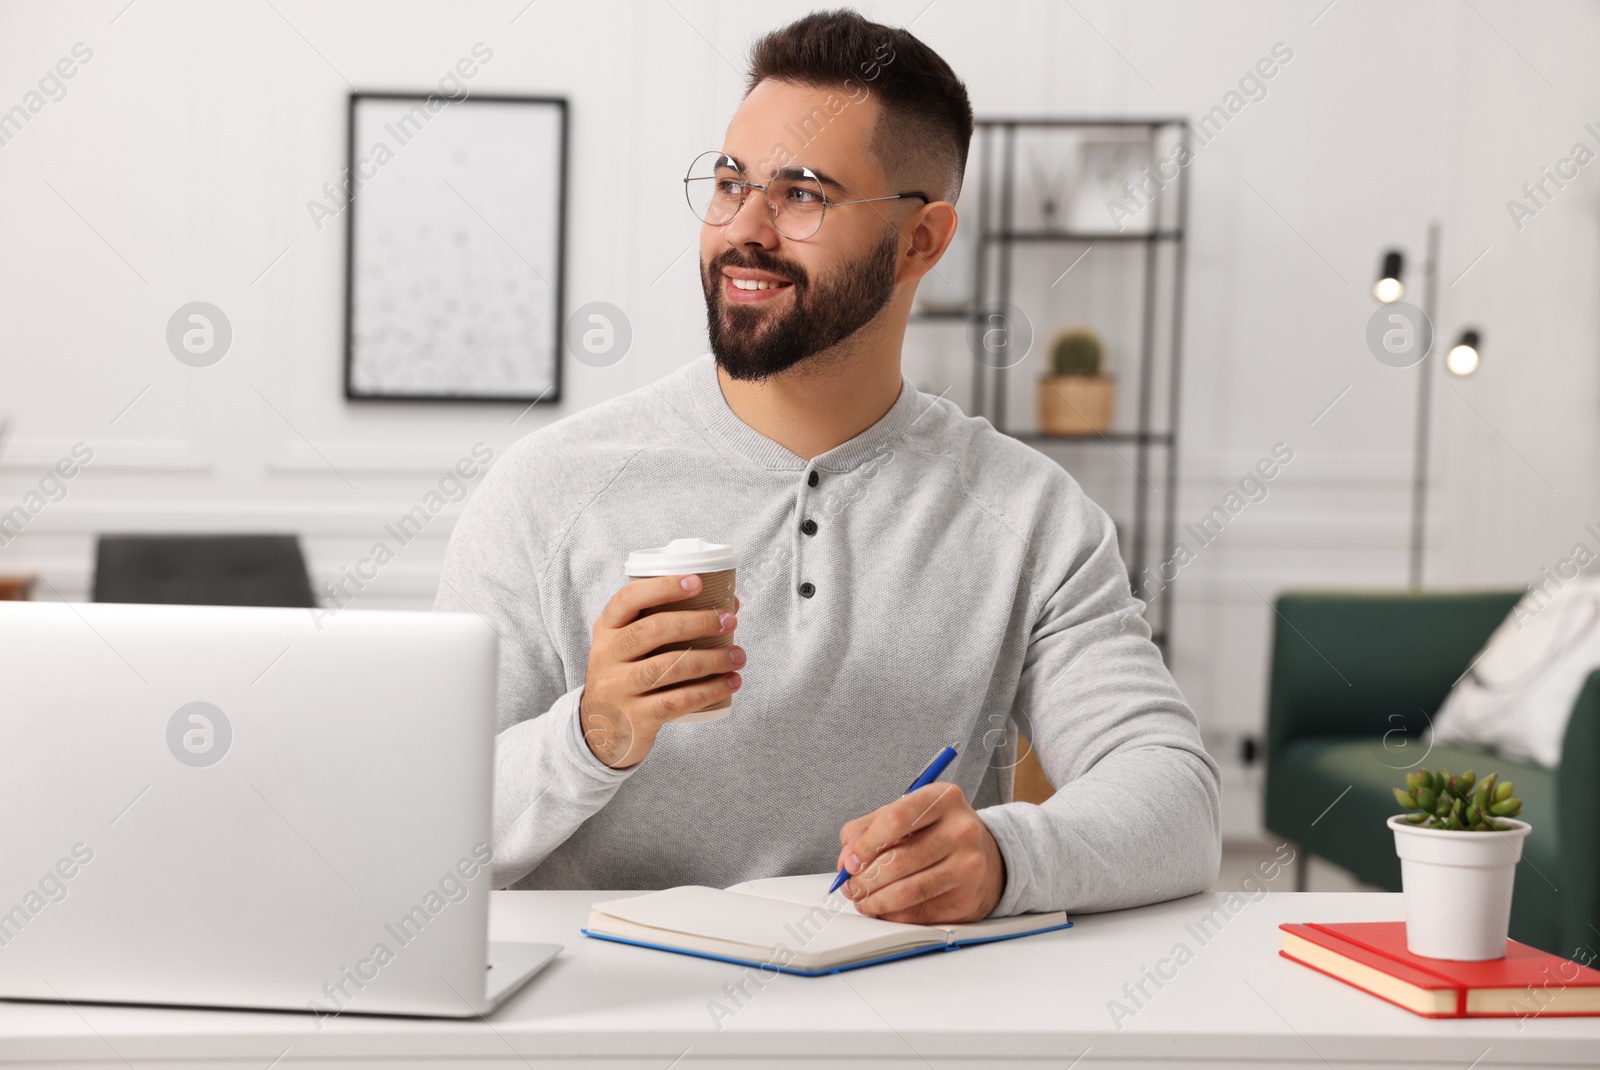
(1076, 404)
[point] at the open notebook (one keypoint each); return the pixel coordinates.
(788, 924)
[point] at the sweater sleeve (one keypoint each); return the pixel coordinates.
(1136, 815)
(547, 781)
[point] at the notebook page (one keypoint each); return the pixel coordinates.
(807, 889)
(811, 890)
(764, 924)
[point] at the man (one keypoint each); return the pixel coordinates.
(908, 576)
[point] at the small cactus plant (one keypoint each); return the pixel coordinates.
(1076, 352)
(1461, 802)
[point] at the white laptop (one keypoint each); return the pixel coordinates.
(245, 807)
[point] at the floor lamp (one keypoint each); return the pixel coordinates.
(1462, 360)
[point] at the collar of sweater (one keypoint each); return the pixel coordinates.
(744, 441)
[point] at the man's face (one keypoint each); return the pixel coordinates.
(832, 283)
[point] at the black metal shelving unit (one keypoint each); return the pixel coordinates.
(997, 242)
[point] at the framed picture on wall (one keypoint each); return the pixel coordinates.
(1110, 172)
(456, 235)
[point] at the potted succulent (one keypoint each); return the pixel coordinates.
(1075, 398)
(1459, 846)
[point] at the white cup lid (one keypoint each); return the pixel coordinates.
(682, 556)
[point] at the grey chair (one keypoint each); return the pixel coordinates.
(202, 570)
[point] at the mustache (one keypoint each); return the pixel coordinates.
(793, 273)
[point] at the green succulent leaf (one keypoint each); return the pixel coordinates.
(1438, 799)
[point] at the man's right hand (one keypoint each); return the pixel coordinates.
(627, 695)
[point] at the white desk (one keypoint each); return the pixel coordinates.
(1038, 1002)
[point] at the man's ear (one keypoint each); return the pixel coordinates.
(926, 240)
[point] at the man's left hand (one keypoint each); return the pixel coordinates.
(926, 858)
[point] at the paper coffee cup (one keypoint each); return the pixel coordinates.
(716, 565)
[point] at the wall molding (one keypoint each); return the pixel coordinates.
(34, 456)
(70, 517)
(399, 457)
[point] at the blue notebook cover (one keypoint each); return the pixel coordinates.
(831, 969)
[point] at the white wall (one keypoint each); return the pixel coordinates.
(178, 167)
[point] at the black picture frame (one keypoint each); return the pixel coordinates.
(553, 394)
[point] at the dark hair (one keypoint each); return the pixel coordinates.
(925, 128)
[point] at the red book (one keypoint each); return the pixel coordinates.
(1372, 956)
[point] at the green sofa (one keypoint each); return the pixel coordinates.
(1355, 678)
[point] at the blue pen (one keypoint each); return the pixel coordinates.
(929, 775)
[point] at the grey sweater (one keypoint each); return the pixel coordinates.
(958, 584)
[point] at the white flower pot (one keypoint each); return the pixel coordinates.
(1458, 888)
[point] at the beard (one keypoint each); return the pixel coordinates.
(755, 342)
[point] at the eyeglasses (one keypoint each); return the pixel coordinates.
(716, 188)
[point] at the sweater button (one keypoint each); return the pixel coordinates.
(809, 527)
(806, 590)
(812, 478)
